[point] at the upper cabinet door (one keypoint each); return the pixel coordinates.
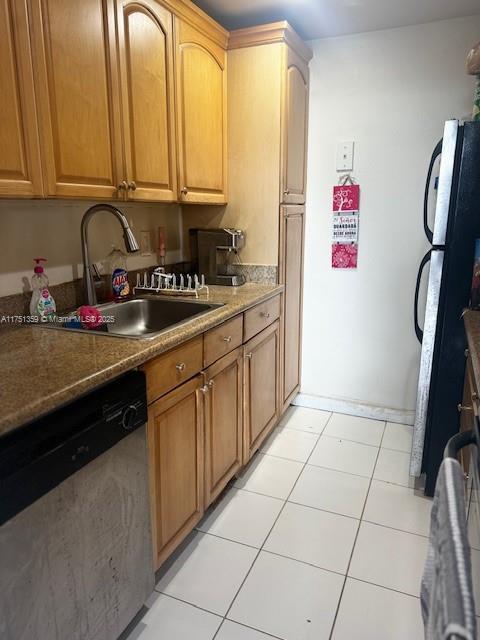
(201, 116)
(77, 88)
(295, 127)
(20, 172)
(146, 70)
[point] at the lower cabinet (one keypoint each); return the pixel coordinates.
(176, 439)
(261, 388)
(202, 432)
(223, 423)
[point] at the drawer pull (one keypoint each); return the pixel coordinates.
(462, 407)
(265, 314)
(180, 366)
(227, 339)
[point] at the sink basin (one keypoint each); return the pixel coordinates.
(143, 317)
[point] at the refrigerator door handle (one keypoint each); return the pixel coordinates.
(437, 152)
(425, 260)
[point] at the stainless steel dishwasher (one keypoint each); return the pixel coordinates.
(75, 543)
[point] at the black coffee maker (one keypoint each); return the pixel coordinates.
(214, 254)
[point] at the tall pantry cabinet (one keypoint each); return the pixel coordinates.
(268, 90)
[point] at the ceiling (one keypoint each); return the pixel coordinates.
(324, 18)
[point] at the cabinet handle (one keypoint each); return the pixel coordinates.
(227, 339)
(249, 355)
(462, 407)
(184, 191)
(466, 353)
(265, 314)
(211, 383)
(132, 185)
(123, 186)
(180, 366)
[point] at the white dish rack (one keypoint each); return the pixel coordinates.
(170, 284)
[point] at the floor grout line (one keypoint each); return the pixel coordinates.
(247, 626)
(307, 506)
(273, 525)
(348, 473)
(286, 501)
(355, 541)
(196, 606)
(386, 526)
(343, 438)
(381, 586)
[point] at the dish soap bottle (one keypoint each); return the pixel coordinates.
(42, 304)
(117, 260)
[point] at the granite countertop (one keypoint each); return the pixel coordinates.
(472, 328)
(42, 369)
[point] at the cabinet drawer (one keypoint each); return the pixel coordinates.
(260, 317)
(223, 339)
(174, 367)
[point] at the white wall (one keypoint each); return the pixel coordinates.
(51, 229)
(390, 92)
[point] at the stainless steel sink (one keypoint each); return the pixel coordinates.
(143, 317)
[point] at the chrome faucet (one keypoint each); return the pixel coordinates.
(131, 245)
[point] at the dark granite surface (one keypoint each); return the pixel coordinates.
(41, 369)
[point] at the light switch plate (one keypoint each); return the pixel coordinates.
(345, 156)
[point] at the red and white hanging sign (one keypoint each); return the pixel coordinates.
(345, 206)
(346, 198)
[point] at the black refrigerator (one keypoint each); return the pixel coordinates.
(454, 180)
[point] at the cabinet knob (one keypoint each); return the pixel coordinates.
(286, 192)
(248, 355)
(462, 407)
(184, 191)
(211, 383)
(204, 389)
(180, 366)
(132, 185)
(227, 339)
(265, 314)
(123, 186)
(466, 353)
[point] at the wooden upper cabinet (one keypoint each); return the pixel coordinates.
(201, 116)
(77, 90)
(291, 275)
(20, 172)
(145, 41)
(295, 127)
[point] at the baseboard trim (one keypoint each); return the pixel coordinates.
(354, 408)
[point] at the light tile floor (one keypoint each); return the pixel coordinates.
(321, 538)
